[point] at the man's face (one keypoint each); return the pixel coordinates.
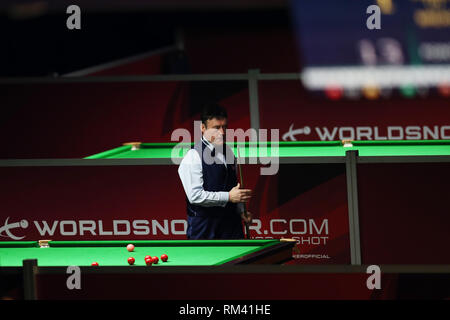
(214, 131)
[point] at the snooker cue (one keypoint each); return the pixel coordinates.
(247, 230)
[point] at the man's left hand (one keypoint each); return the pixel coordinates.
(247, 219)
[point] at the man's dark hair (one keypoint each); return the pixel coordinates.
(211, 111)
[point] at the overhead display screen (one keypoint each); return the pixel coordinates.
(336, 33)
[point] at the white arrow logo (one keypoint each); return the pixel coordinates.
(291, 133)
(7, 227)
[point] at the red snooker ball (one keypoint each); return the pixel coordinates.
(155, 260)
(131, 260)
(164, 257)
(130, 247)
(148, 262)
(95, 264)
(148, 257)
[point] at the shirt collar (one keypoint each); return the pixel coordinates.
(208, 144)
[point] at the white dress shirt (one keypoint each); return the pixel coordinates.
(191, 175)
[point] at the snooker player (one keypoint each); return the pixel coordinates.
(214, 199)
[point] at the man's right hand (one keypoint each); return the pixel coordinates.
(239, 195)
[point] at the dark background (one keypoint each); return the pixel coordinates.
(35, 40)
